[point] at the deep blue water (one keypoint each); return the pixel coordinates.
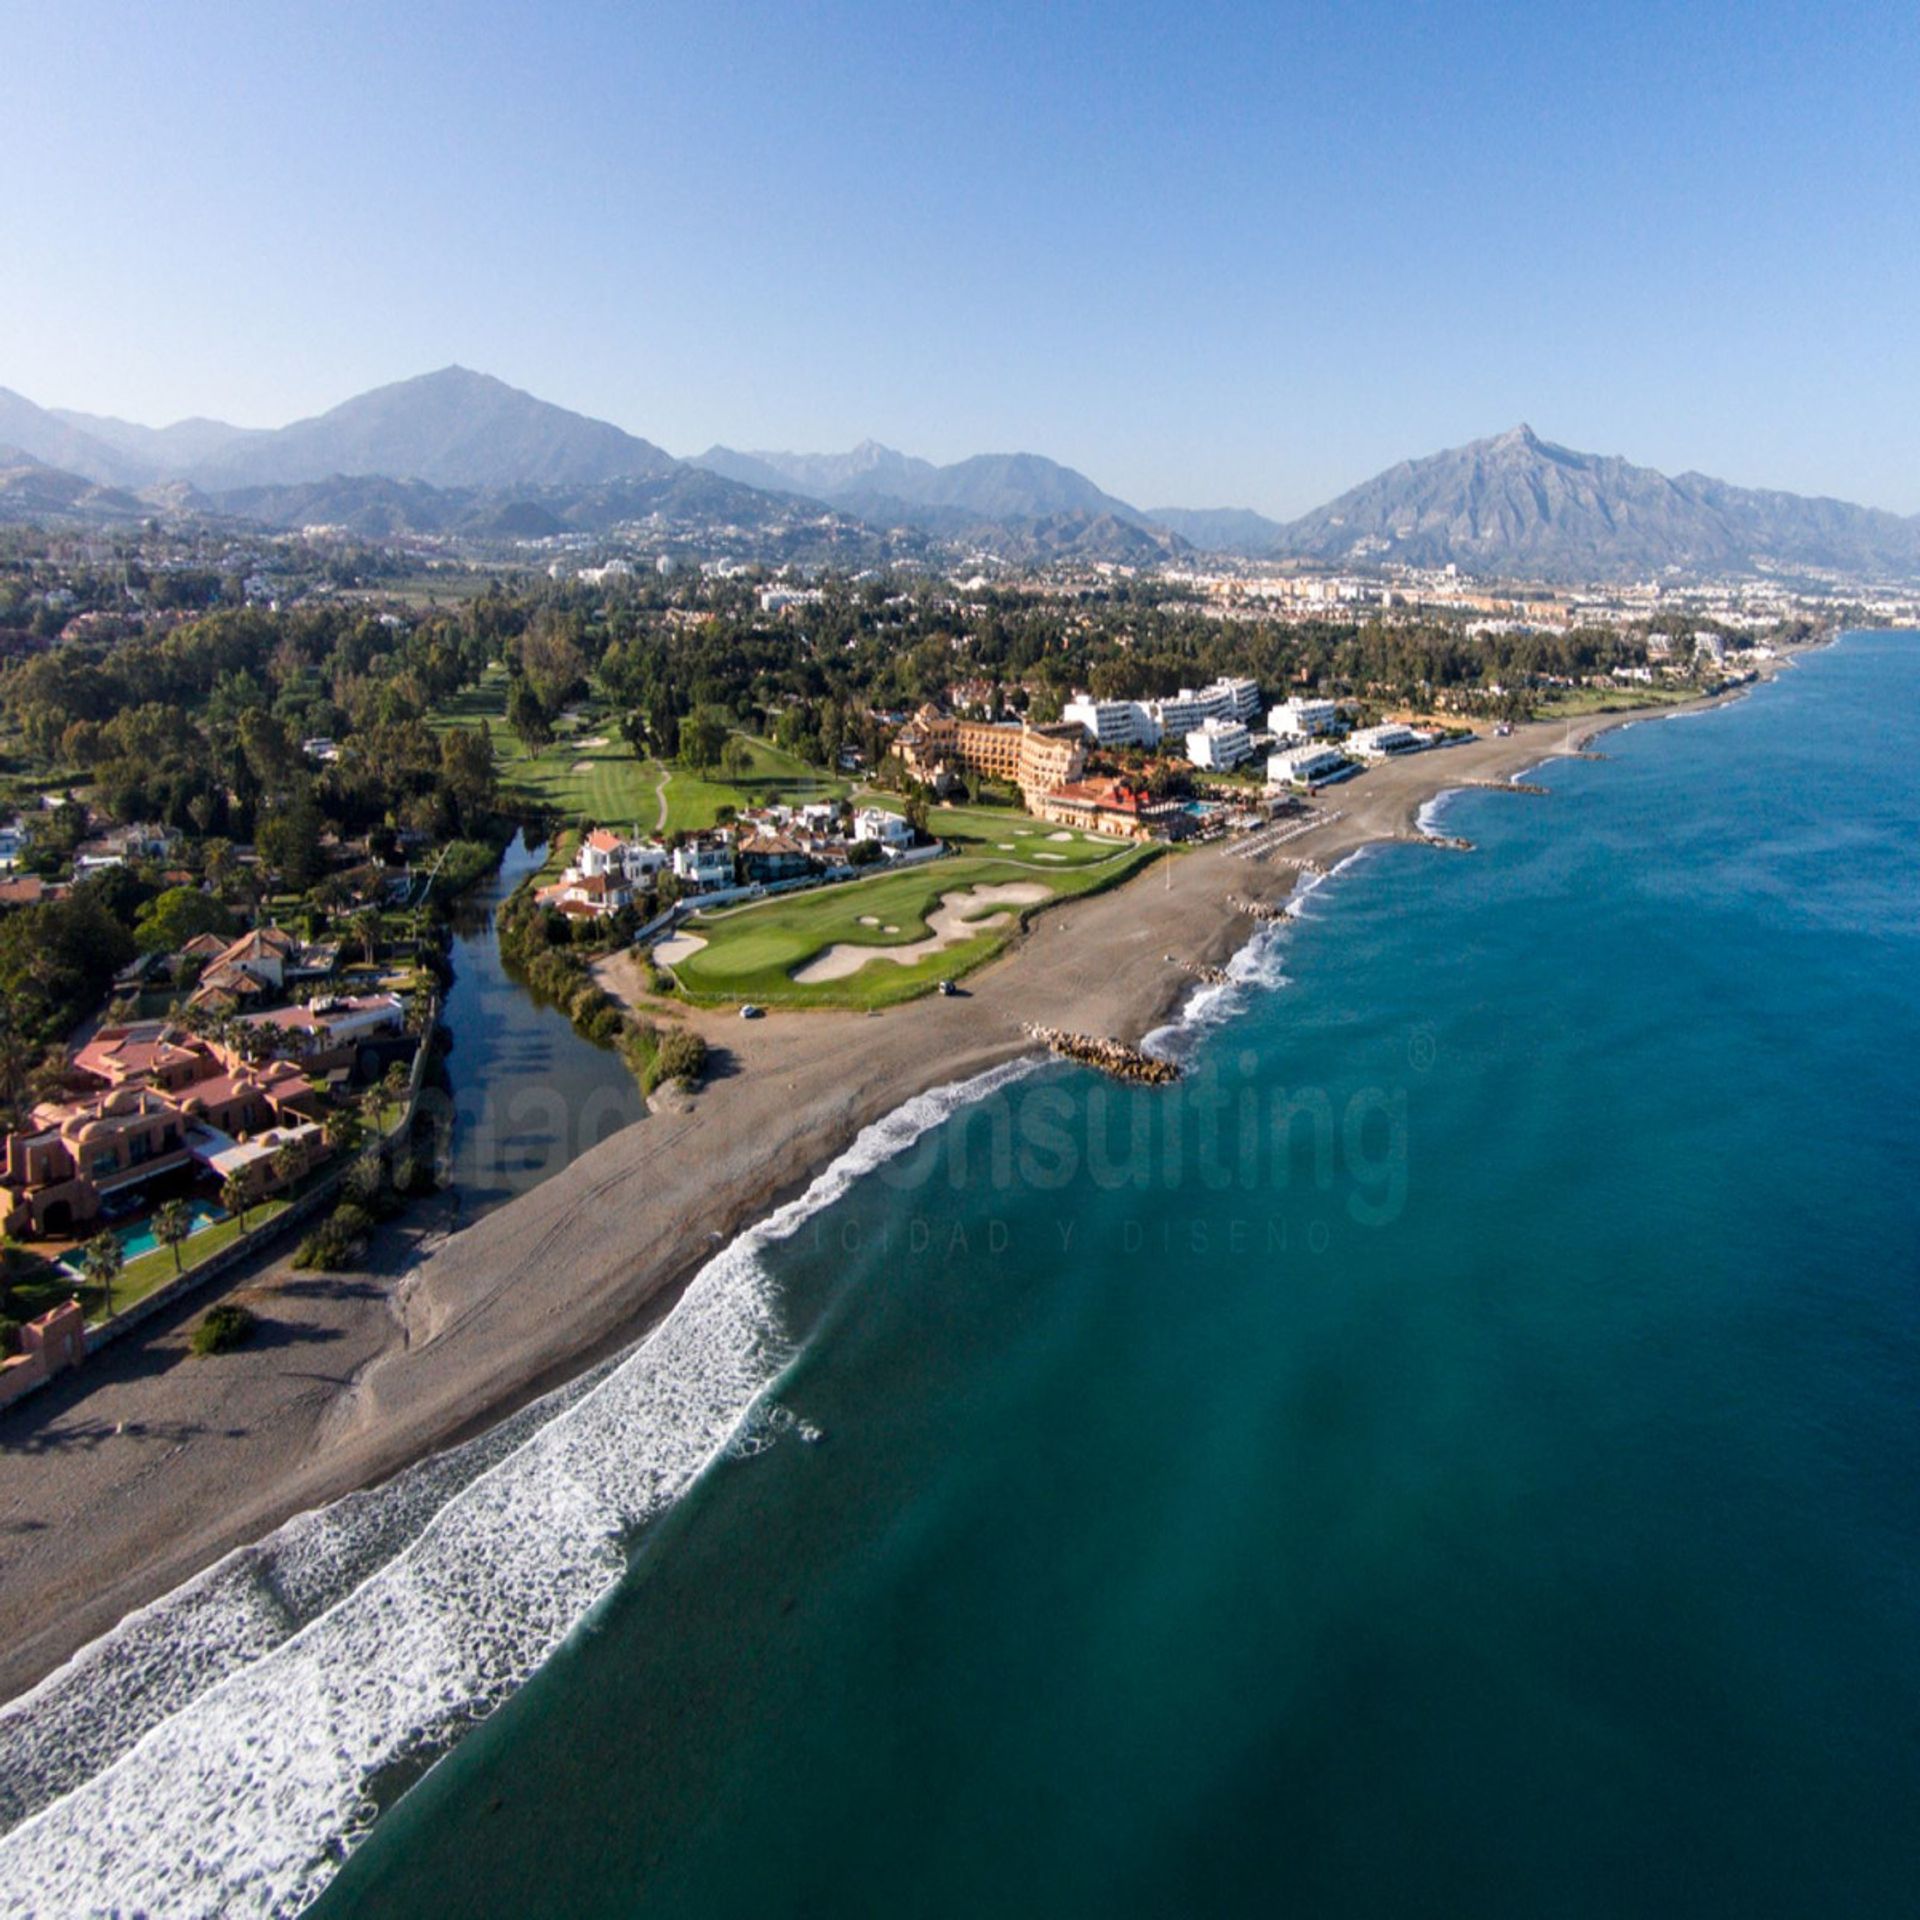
(1457, 1454)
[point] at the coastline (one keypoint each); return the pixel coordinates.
(120, 1492)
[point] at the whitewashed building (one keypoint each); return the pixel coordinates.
(1219, 745)
(1304, 717)
(1303, 766)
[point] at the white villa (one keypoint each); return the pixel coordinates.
(876, 823)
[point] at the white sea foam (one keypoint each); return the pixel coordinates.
(1256, 965)
(251, 1776)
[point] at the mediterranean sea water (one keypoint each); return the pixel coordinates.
(1482, 1482)
(1453, 1454)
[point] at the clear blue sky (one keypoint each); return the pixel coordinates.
(1211, 254)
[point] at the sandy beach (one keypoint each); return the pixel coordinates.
(128, 1477)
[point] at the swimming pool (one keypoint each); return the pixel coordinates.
(139, 1239)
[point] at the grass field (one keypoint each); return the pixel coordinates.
(576, 777)
(753, 951)
(1574, 703)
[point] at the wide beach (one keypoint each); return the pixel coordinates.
(148, 1466)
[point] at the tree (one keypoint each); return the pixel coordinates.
(736, 757)
(288, 1163)
(703, 738)
(236, 1195)
(365, 927)
(170, 919)
(102, 1262)
(527, 717)
(345, 1130)
(467, 772)
(171, 1224)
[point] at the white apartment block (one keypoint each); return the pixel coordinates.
(1306, 717)
(1376, 743)
(1219, 745)
(1113, 723)
(1303, 766)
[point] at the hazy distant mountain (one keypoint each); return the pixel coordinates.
(878, 481)
(1517, 504)
(377, 507)
(822, 476)
(452, 428)
(1220, 529)
(161, 450)
(30, 490)
(44, 436)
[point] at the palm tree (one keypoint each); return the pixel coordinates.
(345, 1130)
(102, 1262)
(236, 1196)
(288, 1163)
(365, 927)
(171, 1224)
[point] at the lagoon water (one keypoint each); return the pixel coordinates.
(1454, 1455)
(529, 1095)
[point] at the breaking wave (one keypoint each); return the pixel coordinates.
(223, 1750)
(1257, 964)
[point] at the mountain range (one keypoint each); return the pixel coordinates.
(463, 453)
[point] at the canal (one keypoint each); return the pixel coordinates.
(529, 1094)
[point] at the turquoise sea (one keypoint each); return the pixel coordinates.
(1457, 1454)
(1454, 1454)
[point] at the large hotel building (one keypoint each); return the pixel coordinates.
(1034, 759)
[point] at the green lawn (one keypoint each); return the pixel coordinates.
(607, 784)
(46, 1285)
(753, 951)
(1573, 703)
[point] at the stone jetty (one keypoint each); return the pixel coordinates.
(1256, 909)
(1110, 1056)
(1207, 976)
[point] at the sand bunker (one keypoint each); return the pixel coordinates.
(680, 946)
(1049, 856)
(869, 919)
(1062, 835)
(582, 766)
(958, 917)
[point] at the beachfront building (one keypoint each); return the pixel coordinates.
(1306, 718)
(78, 1154)
(1382, 742)
(1119, 807)
(933, 746)
(1113, 723)
(1304, 766)
(1181, 713)
(1217, 746)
